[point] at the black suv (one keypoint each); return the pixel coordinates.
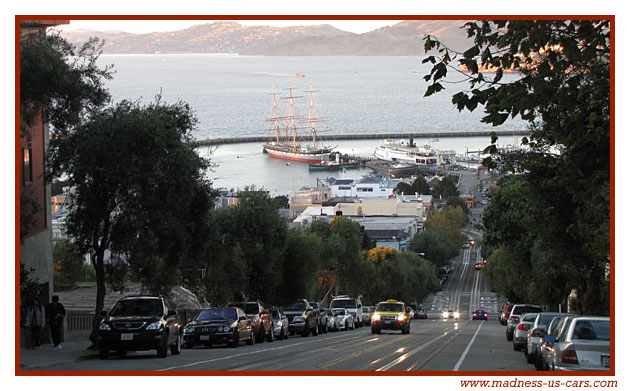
(140, 323)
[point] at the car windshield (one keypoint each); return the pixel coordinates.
(217, 314)
(249, 308)
(328, 312)
(138, 307)
(344, 303)
(544, 319)
(366, 310)
(592, 330)
(389, 307)
(275, 313)
(520, 310)
(528, 318)
(299, 306)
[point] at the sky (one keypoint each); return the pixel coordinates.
(150, 26)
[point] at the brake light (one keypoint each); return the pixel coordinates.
(522, 327)
(514, 318)
(486, 315)
(569, 357)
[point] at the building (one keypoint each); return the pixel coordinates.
(307, 197)
(369, 187)
(36, 246)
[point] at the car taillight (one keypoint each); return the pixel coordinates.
(569, 357)
(486, 315)
(514, 318)
(522, 327)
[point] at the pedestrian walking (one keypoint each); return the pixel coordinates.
(55, 314)
(35, 318)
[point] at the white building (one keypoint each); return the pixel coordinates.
(369, 187)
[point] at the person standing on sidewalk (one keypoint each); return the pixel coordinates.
(35, 318)
(55, 314)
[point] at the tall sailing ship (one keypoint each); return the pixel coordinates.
(287, 143)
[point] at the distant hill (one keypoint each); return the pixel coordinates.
(404, 38)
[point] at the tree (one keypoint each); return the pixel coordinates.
(421, 186)
(137, 179)
(404, 188)
(445, 188)
(564, 95)
(436, 245)
(457, 202)
(62, 84)
(67, 264)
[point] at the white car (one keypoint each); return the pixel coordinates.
(280, 323)
(333, 321)
(450, 314)
(345, 318)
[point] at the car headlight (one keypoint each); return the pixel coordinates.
(155, 325)
(104, 326)
(226, 328)
(279, 323)
(376, 317)
(255, 319)
(456, 315)
(445, 314)
(298, 319)
(189, 330)
(400, 318)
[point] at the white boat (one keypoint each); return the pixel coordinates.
(409, 153)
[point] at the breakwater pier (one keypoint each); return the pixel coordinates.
(366, 136)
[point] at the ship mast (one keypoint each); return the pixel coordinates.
(275, 118)
(292, 115)
(311, 114)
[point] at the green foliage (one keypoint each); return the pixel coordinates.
(300, 266)
(436, 245)
(421, 186)
(404, 188)
(445, 188)
(67, 264)
(28, 209)
(60, 79)
(457, 202)
(564, 94)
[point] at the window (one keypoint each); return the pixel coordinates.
(27, 166)
(364, 189)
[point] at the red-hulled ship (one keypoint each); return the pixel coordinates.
(289, 146)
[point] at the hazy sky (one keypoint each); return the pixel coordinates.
(148, 26)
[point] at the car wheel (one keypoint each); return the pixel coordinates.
(162, 351)
(306, 331)
(516, 347)
(261, 334)
(325, 328)
(188, 345)
(235, 340)
(509, 336)
(376, 331)
(270, 336)
(177, 348)
(250, 340)
(315, 330)
(103, 353)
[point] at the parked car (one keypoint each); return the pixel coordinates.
(423, 313)
(515, 317)
(211, 326)
(333, 320)
(583, 345)
(480, 315)
(537, 333)
(556, 327)
(391, 315)
(280, 323)
(352, 305)
(522, 330)
(303, 319)
(260, 316)
(366, 315)
(322, 324)
(344, 318)
(505, 313)
(140, 323)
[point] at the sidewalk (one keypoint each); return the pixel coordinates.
(46, 355)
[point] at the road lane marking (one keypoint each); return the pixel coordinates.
(411, 352)
(247, 353)
(461, 359)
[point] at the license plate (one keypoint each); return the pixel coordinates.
(388, 322)
(204, 338)
(126, 337)
(606, 361)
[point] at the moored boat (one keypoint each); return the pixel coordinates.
(393, 168)
(332, 165)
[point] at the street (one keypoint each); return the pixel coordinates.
(433, 344)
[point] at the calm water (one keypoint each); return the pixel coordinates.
(231, 96)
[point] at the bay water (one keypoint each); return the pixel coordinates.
(231, 96)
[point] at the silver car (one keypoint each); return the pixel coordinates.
(543, 361)
(366, 315)
(515, 317)
(583, 345)
(333, 321)
(522, 330)
(280, 323)
(346, 320)
(537, 333)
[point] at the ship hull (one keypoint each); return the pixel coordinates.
(314, 156)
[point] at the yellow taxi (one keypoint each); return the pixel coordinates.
(391, 315)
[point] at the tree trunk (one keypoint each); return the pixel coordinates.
(99, 267)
